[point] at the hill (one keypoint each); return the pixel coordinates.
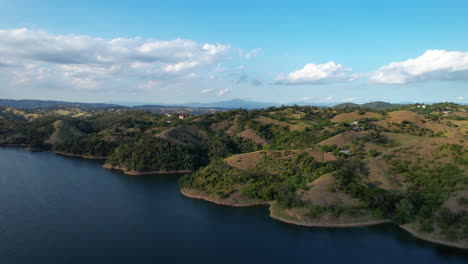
(313, 166)
(370, 105)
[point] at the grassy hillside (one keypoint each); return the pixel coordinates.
(316, 166)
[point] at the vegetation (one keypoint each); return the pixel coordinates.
(405, 163)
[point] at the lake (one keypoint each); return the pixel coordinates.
(56, 209)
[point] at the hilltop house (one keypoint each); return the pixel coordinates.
(181, 117)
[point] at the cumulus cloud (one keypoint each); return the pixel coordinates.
(252, 53)
(223, 91)
(433, 65)
(315, 74)
(86, 61)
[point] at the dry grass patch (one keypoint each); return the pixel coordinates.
(353, 116)
(245, 161)
(188, 133)
(381, 176)
(220, 125)
(345, 138)
(320, 193)
(63, 131)
(454, 204)
(252, 135)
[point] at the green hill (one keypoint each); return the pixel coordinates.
(314, 166)
(370, 105)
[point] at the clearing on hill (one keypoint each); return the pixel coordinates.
(63, 131)
(221, 125)
(400, 116)
(248, 161)
(184, 134)
(293, 126)
(322, 193)
(354, 116)
(252, 135)
(343, 139)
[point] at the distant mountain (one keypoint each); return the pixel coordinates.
(163, 109)
(371, 105)
(186, 107)
(234, 103)
(31, 104)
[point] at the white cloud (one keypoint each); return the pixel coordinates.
(350, 99)
(207, 90)
(461, 98)
(433, 65)
(148, 85)
(223, 91)
(307, 98)
(87, 62)
(315, 74)
(219, 68)
(252, 53)
(240, 67)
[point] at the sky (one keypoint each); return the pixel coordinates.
(205, 51)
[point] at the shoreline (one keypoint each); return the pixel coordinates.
(14, 145)
(328, 225)
(272, 214)
(428, 238)
(200, 196)
(79, 155)
(139, 173)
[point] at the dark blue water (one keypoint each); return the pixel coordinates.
(56, 209)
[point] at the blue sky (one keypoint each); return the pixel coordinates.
(275, 51)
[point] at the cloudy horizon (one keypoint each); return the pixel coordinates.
(79, 63)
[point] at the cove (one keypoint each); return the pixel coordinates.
(57, 209)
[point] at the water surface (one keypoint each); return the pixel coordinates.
(56, 209)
